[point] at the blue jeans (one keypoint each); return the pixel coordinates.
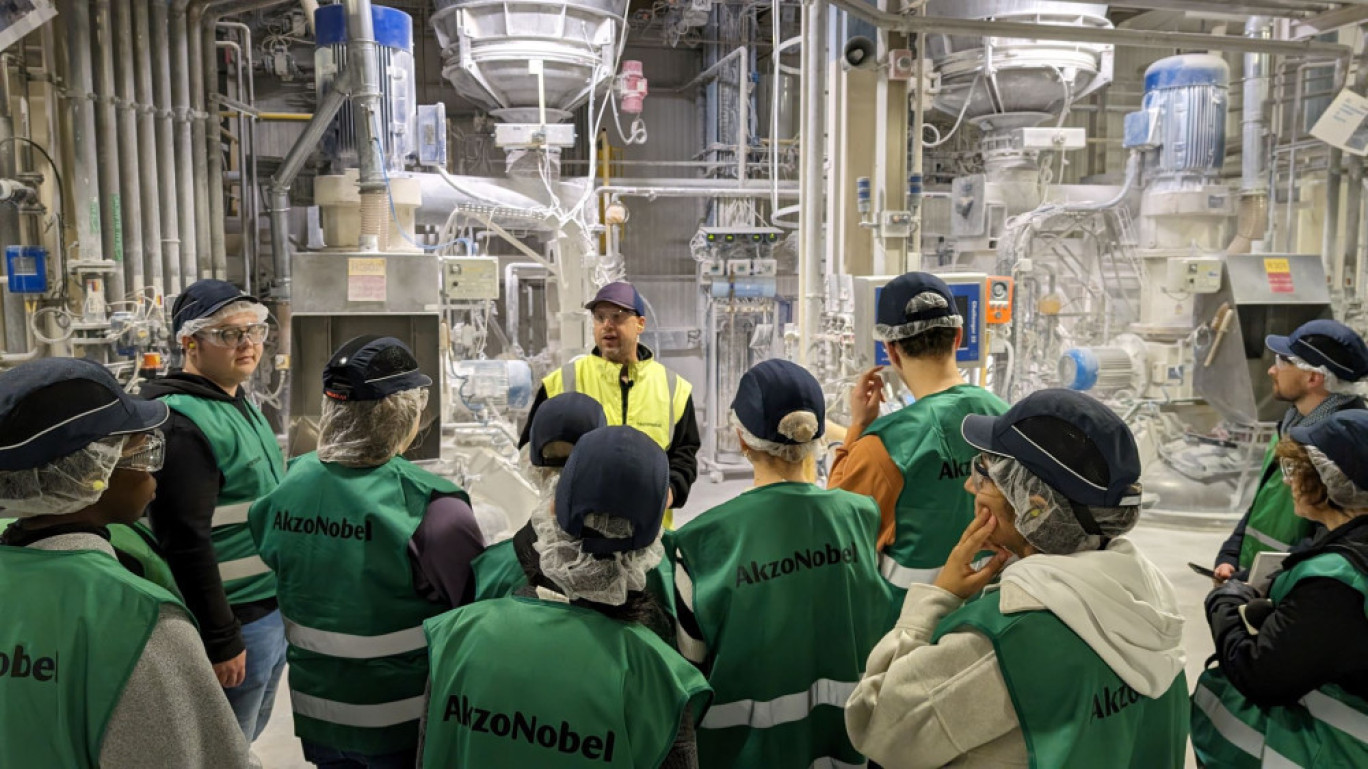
(253, 699)
(330, 758)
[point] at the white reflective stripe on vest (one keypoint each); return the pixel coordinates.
(1331, 711)
(901, 576)
(827, 762)
(227, 515)
(242, 568)
(780, 710)
(1281, 547)
(1272, 759)
(363, 716)
(1236, 732)
(356, 647)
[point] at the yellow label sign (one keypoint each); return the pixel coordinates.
(366, 267)
(1271, 265)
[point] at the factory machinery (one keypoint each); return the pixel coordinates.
(1125, 199)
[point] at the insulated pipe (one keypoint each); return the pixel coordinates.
(1333, 178)
(15, 317)
(363, 59)
(135, 268)
(249, 184)
(1253, 215)
(83, 175)
(167, 162)
(810, 283)
(150, 180)
(182, 118)
(1353, 203)
(107, 129)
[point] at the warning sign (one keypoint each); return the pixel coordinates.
(366, 280)
(1279, 273)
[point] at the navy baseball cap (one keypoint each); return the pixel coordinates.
(563, 419)
(204, 298)
(772, 390)
(52, 407)
(1075, 444)
(1327, 343)
(1342, 438)
(897, 308)
(369, 368)
(622, 294)
(616, 471)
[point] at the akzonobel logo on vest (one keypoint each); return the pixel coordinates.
(521, 727)
(20, 665)
(323, 527)
(1109, 702)
(801, 559)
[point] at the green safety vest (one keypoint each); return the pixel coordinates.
(1272, 524)
(136, 541)
(1073, 709)
(251, 463)
(337, 539)
(790, 603)
(68, 644)
(519, 682)
(925, 442)
(655, 403)
(1326, 728)
(497, 574)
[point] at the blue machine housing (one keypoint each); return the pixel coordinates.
(398, 89)
(1183, 117)
(26, 269)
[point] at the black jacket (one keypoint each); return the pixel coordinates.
(1230, 551)
(684, 444)
(1315, 636)
(183, 512)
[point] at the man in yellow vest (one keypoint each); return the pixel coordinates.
(634, 389)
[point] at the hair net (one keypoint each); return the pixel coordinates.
(1338, 487)
(1045, 518)
(66, 485)
(927, 300)
(1333, 384)
(803, 423)
(543, 478)
(580, 575)
(369, 433)
(197, 325)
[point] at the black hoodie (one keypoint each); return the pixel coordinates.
(183, 513)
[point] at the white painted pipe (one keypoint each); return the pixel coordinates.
(144, 114)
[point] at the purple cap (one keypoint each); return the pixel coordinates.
(622, 294)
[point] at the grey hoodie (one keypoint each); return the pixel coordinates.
(946, 704)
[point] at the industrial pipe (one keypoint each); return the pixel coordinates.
(15, 316)
(363, 59)
(135, 252)
(83, 175)
(1334, 177)
(249, 183)
(181, 119)
(169, 171)
(107, 129)
(150, 179)
(512, 300)
(810, 284)
(698, 188)
(1353, 203)
(1253, 214)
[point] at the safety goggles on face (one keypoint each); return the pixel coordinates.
(980, 474)
(612, 317)
(147, 456)
(1282, 361)
(1289, 470)
(234, 336)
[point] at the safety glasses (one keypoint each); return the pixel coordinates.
(147, 456)
(980, 474)
(612, 317)
(1282, 361)
(1289, 470)
(234, 336)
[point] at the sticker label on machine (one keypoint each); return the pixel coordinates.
(1279, 273)
(967, 299)
(366, 280)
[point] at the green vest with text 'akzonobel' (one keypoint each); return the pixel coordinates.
(1073, 709)
(790, 603)
(72, 629)
(135, 541)
(1272, 524)
(519, 682)
(337, 539)
(250, 461)
(1326, 728)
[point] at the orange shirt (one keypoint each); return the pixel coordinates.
(864, 467)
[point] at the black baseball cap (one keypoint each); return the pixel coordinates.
(1327, 343)
(52, 407)
(204, 298)
(369, 368)
(563, 419)
(1075, 444)
(622, 294)
(772, 390)
(1343, 438)
(617, 471)
(895, 300)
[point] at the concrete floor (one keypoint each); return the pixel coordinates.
(1171, 549)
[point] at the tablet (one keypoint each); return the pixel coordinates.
(1261, 573)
